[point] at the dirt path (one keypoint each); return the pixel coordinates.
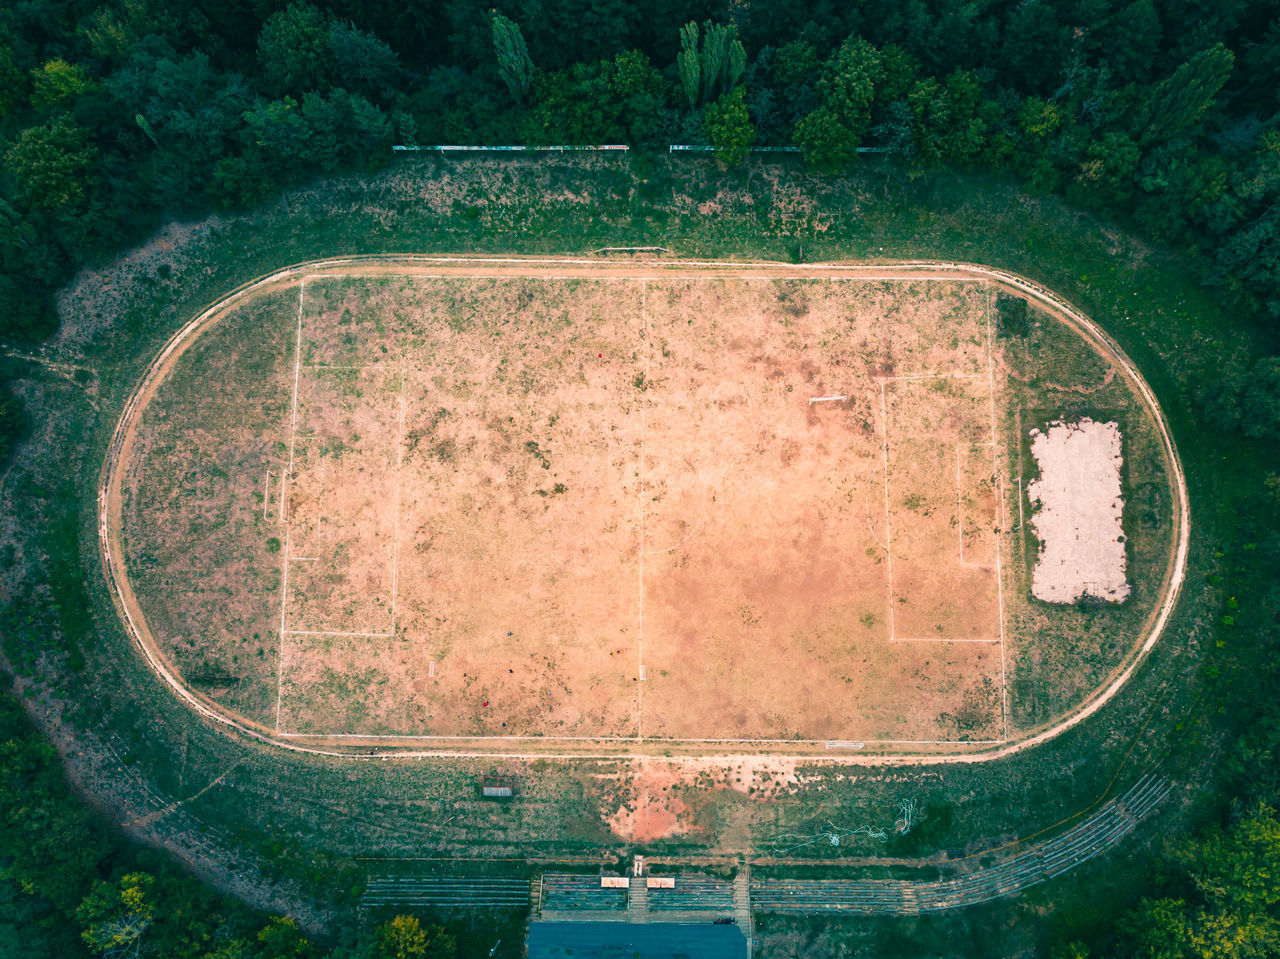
(95, 769)
(110, 505)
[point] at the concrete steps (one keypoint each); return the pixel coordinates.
(637, 902)
(742, 905)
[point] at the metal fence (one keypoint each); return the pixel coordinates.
(468, 148)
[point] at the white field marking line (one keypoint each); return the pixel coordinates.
(431, 669)
(827, 399)
(266, 495)
(1000, 598)
(304, 559)
(284, 486)
(866, 502)
(625, 739)
(697, 528)
(109, 483)
(395, 531)
(888, 535)
(1000, 520)
(943, 639)
(869, 278)
(333, 632)
(644, 342)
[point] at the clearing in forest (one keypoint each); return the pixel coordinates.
(636, 504)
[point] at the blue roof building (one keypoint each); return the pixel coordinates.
(621, 940)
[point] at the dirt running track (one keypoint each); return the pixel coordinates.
(110, 513)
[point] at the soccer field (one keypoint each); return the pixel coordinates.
(629, 504)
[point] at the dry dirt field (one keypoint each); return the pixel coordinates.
(533, 503)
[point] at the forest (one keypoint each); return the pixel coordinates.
(1160, 115)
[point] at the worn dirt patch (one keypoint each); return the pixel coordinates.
(651, 810)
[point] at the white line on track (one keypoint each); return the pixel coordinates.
(672, 275)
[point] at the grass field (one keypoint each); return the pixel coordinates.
(549, 502)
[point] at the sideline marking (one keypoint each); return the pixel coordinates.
(652, 740)
(284, 487)
(995, 471)
(644, 340)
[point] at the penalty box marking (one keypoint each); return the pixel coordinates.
(286, 517)
(959, 447)
(387, 470)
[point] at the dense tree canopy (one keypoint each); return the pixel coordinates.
(116, 114)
